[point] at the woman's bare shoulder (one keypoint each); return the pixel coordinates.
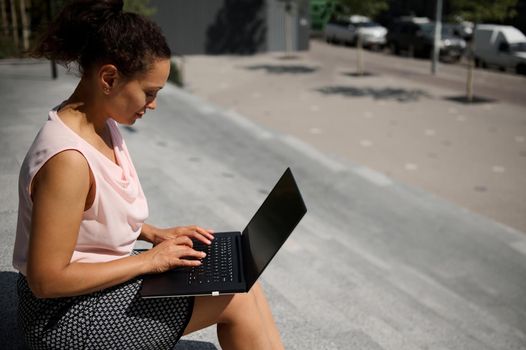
(67, 170)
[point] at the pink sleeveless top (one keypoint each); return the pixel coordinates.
(109, 229)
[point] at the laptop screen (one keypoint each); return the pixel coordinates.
(270, 227)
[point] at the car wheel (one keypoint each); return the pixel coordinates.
(394, 49)
(521, 69)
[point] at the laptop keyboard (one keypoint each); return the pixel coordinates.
(217, 266)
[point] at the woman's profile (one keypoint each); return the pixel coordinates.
(82, 207)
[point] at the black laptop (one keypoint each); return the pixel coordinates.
(235, 260)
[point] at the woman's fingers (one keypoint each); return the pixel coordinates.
(199, 233)
(177, 252)
(184, 240)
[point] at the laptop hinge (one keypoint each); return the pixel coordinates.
(240, 259)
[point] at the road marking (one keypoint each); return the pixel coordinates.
(498, 169)
(410, 166)
(366, 143)
(430, 132)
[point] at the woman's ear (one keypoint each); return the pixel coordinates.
(108, 78)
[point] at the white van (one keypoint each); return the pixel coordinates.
(501, 46)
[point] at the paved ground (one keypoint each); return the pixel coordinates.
(397, 121)
(375, 264)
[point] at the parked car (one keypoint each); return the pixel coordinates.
(416, 35)
(372, 34)
(500, 46)
(340, 30)
(346, 30)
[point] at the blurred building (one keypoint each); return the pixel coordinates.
(233, 26)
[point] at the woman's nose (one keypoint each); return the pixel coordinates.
(152, 104)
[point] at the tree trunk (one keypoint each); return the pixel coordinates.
(359, 53)
(25, 26)
(14, 24)
(4, 18)
(470, 57)
(288, 28)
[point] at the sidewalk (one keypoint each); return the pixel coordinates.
(375, 264)
(397, 121)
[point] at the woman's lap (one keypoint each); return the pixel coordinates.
(114, 318)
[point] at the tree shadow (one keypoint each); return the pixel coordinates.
(475, 100)
(288, 57)
(10, 336)
(360, 75)
(401, 95)
(239, 28)
(283, 69)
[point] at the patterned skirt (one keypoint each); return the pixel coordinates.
(114, 318)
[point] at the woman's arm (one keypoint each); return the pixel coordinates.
(59, 195)
(157, 235)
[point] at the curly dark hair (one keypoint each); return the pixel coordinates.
(93, 32)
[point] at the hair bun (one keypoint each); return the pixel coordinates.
(116, 5)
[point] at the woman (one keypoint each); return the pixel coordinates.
(82, 207)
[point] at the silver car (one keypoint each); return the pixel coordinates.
(340, 31)
(346, 30)
(372, 34)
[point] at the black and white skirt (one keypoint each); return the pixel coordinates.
(114, 318)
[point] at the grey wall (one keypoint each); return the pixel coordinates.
(227, 26)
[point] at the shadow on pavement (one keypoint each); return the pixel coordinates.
(194, 345)
(10, 337)
(283, 69)
(475, 100)
(401, 95)
(289, 56)
(359, 75)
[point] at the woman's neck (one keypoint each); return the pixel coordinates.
(85, 109)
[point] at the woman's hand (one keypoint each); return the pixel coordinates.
(171, 253)
(193, 231)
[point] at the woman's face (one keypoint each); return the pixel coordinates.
(133, 97)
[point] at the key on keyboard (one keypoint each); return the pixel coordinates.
(217, 266)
